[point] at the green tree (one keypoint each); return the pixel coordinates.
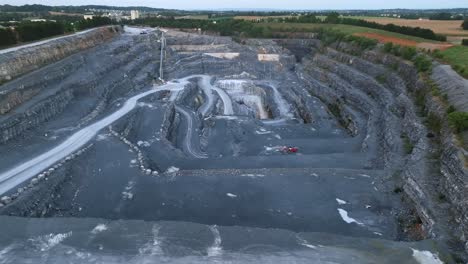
(388, 47)
(30, 31)
(465, 24)
(408, 52)
(422, 63)
(7, 37)
(459, 121)
(333, 18)
(441, 16)
(95, 22)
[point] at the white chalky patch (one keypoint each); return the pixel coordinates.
(127, 195)
(340, 202)
(346, 218)
(143, 104)
(252, 175)
(304, 243)
(215, 249)
(268, 57)
(231, 195)
(223, 55)
(262, 132)
(143, 143)
(99, 228)
(101, 137)
(426, 257)
(49, 241)
(172, 169)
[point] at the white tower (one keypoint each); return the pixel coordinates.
(134, 14)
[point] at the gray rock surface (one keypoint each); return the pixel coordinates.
(208, 145)
(16, 63)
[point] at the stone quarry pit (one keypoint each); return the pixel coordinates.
(106, 157)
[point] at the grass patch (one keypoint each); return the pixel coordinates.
(422, 63)
(398, 190)
(420, 101)
(442, 197)
(436, 91)
(457, 56)
(433, 123)
(335, 110)
(200, 17)
(382, 79)
(459, 121)
(407, 145)
(451, 109)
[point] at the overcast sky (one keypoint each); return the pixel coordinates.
(255, 4)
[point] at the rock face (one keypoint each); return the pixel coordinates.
(452, 84)
(371, 94)
(97, 74)
(447, 174)
(454, 156)
(48, 108)
(16, 63)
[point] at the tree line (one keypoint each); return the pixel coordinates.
(225, 27)
(31, 31)
(445, 16)
(410, 31)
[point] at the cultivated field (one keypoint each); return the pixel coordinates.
(201, 17)
(446, 27)
(52, 13)
(255, 18)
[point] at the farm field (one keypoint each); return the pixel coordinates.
(446, 27)
(253, 18)
(201, 17)
(450, 28)
(380, 35)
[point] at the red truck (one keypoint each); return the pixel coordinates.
(289, 150)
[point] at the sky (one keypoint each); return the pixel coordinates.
(258, 4)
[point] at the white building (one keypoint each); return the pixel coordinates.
(134, 14)
(88, 16)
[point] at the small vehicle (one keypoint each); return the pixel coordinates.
(143, 33)
(290, 150)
